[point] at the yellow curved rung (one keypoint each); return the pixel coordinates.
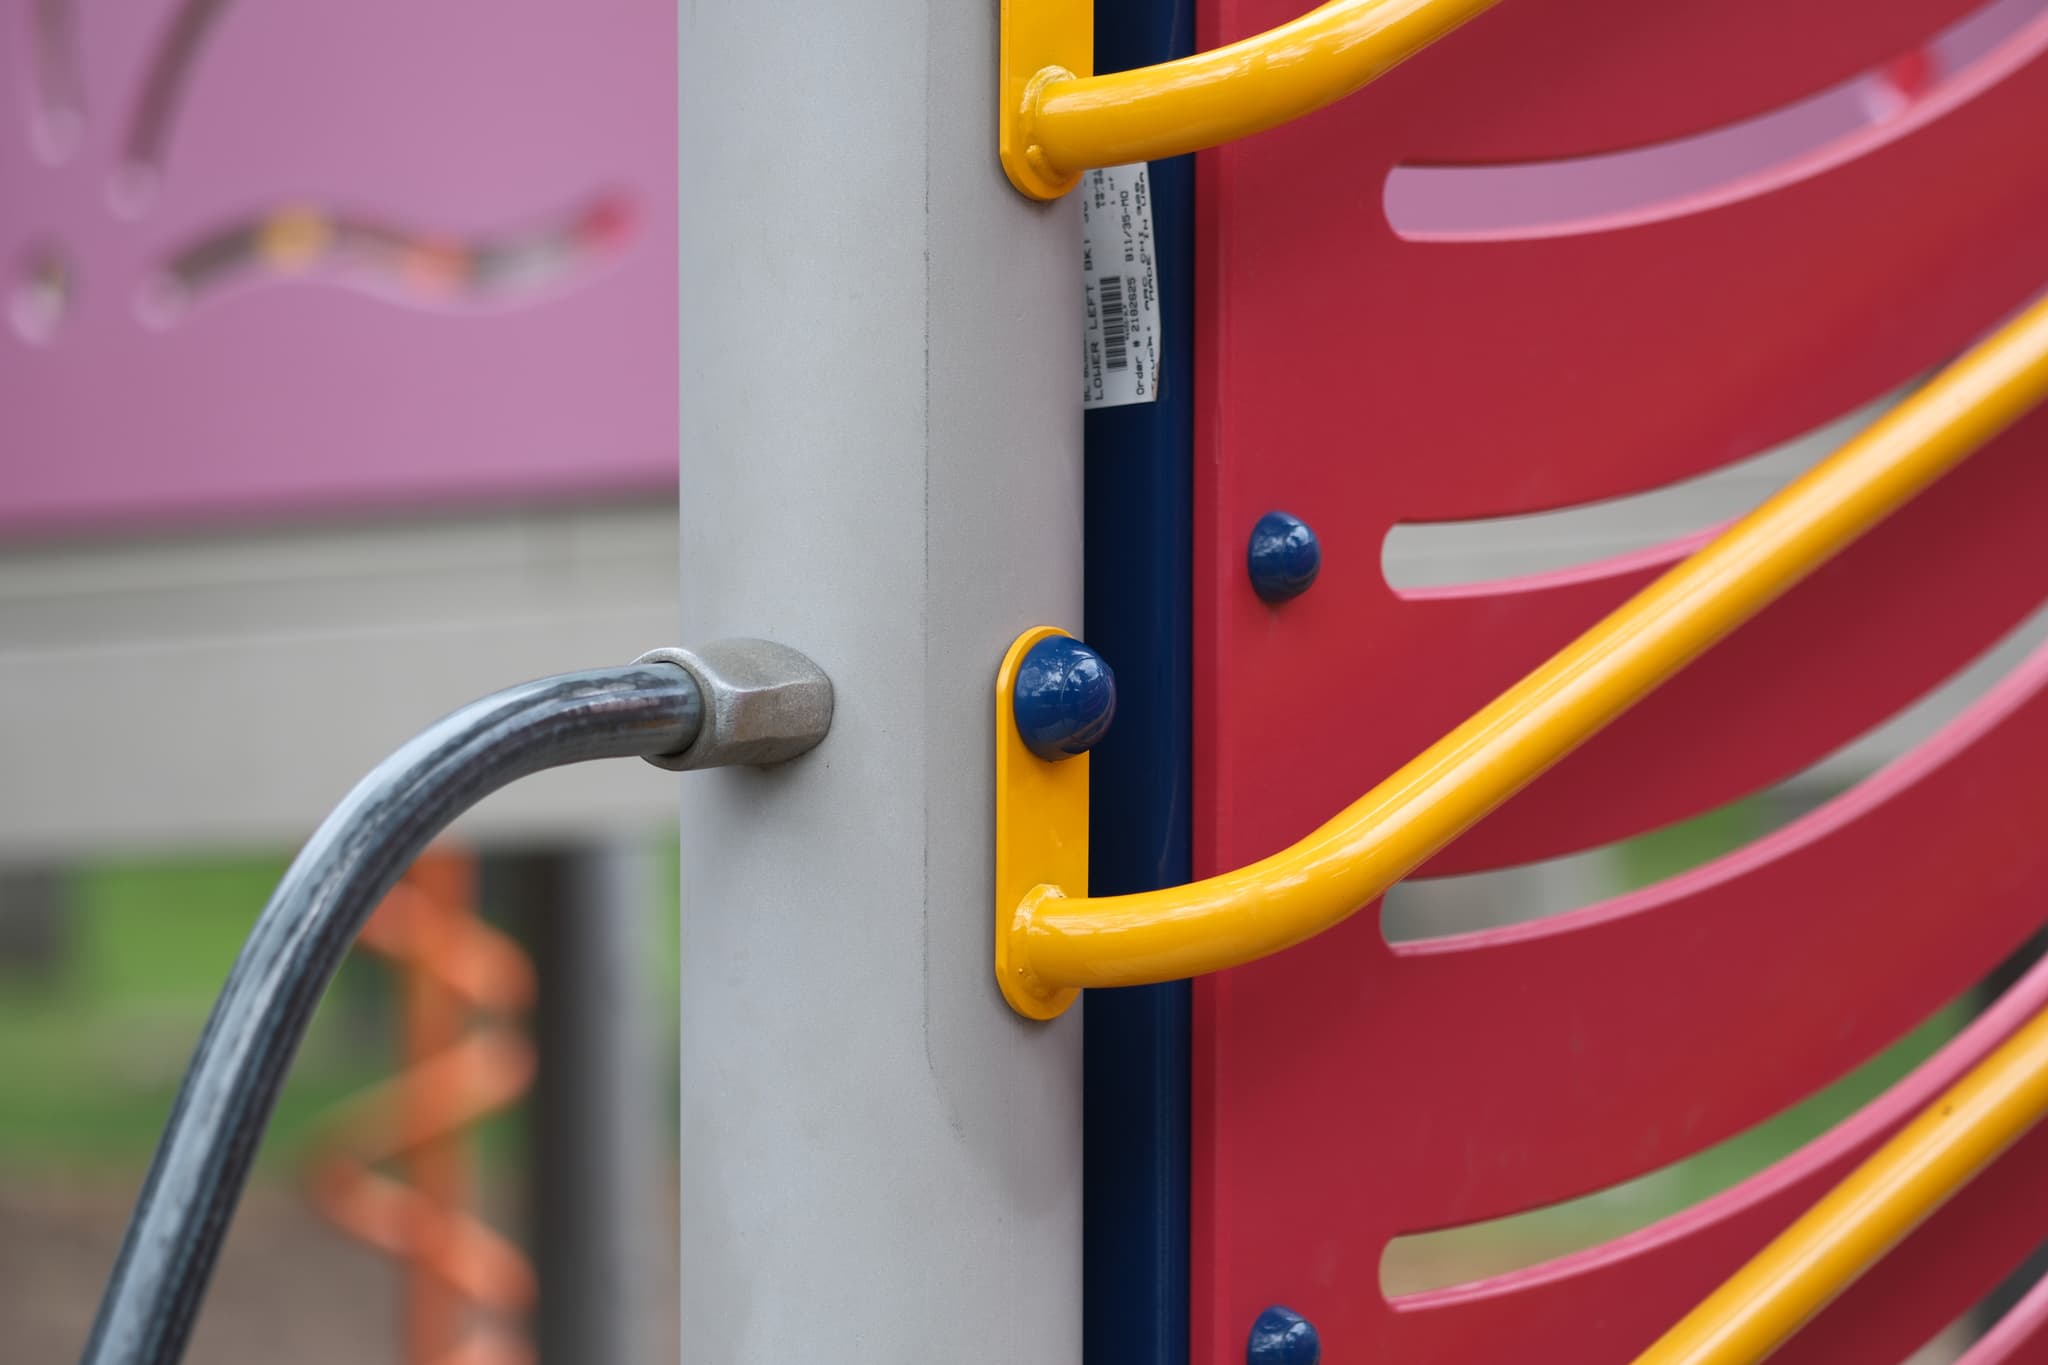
(1056, 941)
(1058, 121)
(1870, 1212)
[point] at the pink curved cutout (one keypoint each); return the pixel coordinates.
(1605, 75)
(1706, 170)
(1646, 562)
(1739, 1220)
(1815, 1164)
(2023, 1328)
(1643, 993)
(1845, 1143)
(1894, 782)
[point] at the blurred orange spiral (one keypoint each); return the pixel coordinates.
(463, 985)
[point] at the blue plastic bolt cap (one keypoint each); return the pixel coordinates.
(1065, 698)
(1283, 557)
(1282, 1336)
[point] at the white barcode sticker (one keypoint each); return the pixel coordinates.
(1120, 284)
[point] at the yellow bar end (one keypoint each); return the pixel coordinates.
(1041, 839)
(1043, 41)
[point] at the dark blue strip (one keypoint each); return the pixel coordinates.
(1139, 525)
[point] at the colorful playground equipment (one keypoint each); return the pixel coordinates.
(1574, 250)
(463, 988)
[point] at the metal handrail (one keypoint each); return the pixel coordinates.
(1051, 942)
(735, 702)
(1058, 122)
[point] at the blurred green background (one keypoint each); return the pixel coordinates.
(96, 1025)
(106, 980)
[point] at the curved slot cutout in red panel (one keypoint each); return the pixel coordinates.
(1427, 559)
(1426, 1261)
(1814, 1164)
(1452, 203)
(1426, 908)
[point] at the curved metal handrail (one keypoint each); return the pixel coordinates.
(357, 854)
(733, 702)
(1057, 123)
(1050, 942)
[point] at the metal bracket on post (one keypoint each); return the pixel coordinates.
(1042, 806)
(1043, 40)
(763, 703)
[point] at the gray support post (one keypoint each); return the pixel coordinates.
(880, 1164)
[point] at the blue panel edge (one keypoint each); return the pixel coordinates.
(1139, 529)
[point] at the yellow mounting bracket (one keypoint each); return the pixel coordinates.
(1041, 833)
(1043, 41)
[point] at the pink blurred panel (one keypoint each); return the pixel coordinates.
(455, 136)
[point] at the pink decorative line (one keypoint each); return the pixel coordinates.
(309, 243)
(2024, 1325)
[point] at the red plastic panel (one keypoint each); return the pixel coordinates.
(1608, 1303)
(1370, 676)
(1347, 1092)
(1413, 382)
(1595, 75)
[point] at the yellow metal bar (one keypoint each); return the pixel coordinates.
(1059, 123)
(1870, 1212)
(1041, 826)
(1058, 941)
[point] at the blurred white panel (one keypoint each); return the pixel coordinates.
(227, 690)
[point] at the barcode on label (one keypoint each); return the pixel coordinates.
(1116, 327)
(1119, 340)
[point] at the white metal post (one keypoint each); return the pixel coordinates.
(880, 465)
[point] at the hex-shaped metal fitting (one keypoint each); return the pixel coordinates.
(763, 703)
